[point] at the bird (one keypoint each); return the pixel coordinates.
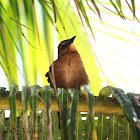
(68, 70)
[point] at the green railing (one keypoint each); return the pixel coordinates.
(81, 116)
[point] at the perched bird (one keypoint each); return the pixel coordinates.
(68, 70)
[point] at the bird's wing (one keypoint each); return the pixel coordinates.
(47, 74)
(50, 71)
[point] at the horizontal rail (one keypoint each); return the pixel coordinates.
(101, 106)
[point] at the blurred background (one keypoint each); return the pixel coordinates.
(107, 39)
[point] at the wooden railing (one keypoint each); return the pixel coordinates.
(105, 118)
(108, 106)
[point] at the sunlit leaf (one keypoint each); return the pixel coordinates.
(133, 6)
(96, 7)
(105, 92)
(82, 9)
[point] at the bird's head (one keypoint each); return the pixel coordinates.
(66, 46)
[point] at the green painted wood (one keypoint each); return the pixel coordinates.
(102, 127)
(55, 126)
(79, 126)
(2, 122)
(42, 129)
(113, 127)
(125, 129)
(86, 129)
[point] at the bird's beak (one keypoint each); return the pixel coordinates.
(71, 40)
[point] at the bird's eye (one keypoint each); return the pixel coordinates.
(63, 46)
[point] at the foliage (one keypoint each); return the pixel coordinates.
(46, 125)
(30, 30)
(68, 114)
(129, 104)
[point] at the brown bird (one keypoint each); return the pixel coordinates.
(68, 70)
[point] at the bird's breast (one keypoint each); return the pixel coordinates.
(69, 72)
